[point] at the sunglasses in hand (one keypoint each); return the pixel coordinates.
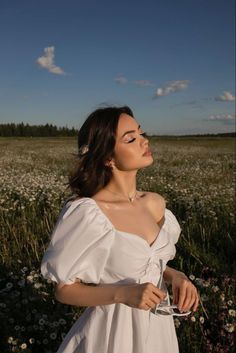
(169, 310)
(164, 308)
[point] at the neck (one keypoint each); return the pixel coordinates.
(124, 184)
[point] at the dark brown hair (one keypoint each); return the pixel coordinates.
(98, 132)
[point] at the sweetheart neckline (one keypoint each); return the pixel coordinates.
(121, 231)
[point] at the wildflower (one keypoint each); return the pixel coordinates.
(9, 285)
(232, 312)
(10, 339)
(215, 289)
(177, 323)
(41, 321)
(204, 297)
(30, 278)
(206, 284)
(201, 319)
(192, 277)
(53, 335)
(31, 340)
(229, 328)
(199, 281)
(193, 319)
(230, 302)
(222, 297)
(23, 346)
(45, 341)
(55, 324)
(38, 285)
(63, 335)
(17, 327)
(62, 321)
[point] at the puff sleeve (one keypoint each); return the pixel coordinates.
(172, 226)
(80, 244)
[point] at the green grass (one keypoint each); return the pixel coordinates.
(197, 178)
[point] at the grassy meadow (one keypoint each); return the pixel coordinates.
(197, 178)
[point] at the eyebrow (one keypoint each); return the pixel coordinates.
(127, 132)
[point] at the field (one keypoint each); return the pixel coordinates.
(197, 178)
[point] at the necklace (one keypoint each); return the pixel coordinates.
(131, 198)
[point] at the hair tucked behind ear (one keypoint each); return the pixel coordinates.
(96, 139)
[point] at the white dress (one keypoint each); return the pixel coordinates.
(85, 245)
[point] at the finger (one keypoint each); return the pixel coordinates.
(188, 299)
(182, 295)
(193, 299)
(151, 304)
(196, 302)
(159, 293)
(175, 296)
(155, 299)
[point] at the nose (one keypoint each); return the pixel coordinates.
(146, 139)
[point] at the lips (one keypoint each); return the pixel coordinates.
(148, 151)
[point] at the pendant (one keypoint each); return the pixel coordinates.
(131, 199)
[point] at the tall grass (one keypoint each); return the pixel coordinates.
(197, 178)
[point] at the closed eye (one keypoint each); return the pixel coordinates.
(143, 134)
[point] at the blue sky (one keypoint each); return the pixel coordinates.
(172, 62)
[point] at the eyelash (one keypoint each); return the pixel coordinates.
(143, 134)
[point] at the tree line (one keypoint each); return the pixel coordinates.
(26, 130)
(49, 130)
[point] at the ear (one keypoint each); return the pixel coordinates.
(109, 163)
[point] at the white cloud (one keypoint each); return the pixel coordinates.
(226, 97)
(223, 118)
(143, 83)
(47, 61)
(121, 80)
(171, 87)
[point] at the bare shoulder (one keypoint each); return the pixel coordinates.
(156, 204)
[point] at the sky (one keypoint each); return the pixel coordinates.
(171, 62)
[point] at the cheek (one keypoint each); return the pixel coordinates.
(123, 153)
(125, 156)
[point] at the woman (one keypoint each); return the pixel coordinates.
(119, 239)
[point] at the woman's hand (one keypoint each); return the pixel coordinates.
(142, 296)
(185, 294)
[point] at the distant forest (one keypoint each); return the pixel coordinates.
(49, 130)
(26, 130)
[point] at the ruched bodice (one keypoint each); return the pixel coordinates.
(85, 245)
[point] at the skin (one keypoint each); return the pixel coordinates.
(125, 165)
(128, 159)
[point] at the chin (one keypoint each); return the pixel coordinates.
(147, 161)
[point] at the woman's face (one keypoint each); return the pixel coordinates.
(130, 145)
